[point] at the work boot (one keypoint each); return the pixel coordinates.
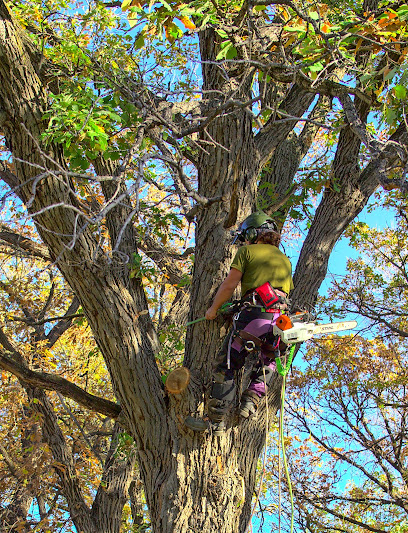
(197, 424)
(217, 409)
(249, 404)
(201, 424)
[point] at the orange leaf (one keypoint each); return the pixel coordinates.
(284, 13)
(359, 43)
(189, 24)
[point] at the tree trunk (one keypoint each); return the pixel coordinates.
(193, 482)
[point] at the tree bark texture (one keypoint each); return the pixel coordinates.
(193, 482)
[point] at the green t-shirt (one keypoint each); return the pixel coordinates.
(260, 263)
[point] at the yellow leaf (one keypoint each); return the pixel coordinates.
(126, 4)
(189, 24)
(285, 14)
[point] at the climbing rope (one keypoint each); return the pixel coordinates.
(283, 370)
(264, 454)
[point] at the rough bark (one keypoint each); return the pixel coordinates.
(277, 184)
(113, 491)
(296, 103)
(24, 244)
(192, 482)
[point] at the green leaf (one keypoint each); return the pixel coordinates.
(390, 116)
(295, 28)
(316, 67)
(222, 33)
(166, 5)
(111, 154)
(184, 281)
(79, 162)
(403, 13)
(400, 92)
(232, 52)
(228, 51)
(140, 42)
(391, 74)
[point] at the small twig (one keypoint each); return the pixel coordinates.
(78, 425)
(31, 322)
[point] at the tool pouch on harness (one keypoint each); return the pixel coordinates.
(267, 295)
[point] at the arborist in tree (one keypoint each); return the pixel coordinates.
(265, 274)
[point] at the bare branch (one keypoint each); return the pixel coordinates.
(348, 519)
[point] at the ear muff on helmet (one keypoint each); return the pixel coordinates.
(250, 228)
(250, 235)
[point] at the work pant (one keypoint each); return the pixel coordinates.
(232, 358)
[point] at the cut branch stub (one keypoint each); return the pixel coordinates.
(177, 381)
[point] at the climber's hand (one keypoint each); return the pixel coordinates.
(211, 313)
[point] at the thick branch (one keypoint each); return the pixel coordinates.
(296, 103)
(112, 492)
(63, 460)
(339, 206)
(23, 243)
(56, 383)
(7, 176)
(285, 162)
(64, 323)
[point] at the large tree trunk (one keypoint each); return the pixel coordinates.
(193, 482)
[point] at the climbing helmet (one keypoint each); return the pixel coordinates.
(249, 228)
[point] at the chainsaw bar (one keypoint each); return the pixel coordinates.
(334, 326)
